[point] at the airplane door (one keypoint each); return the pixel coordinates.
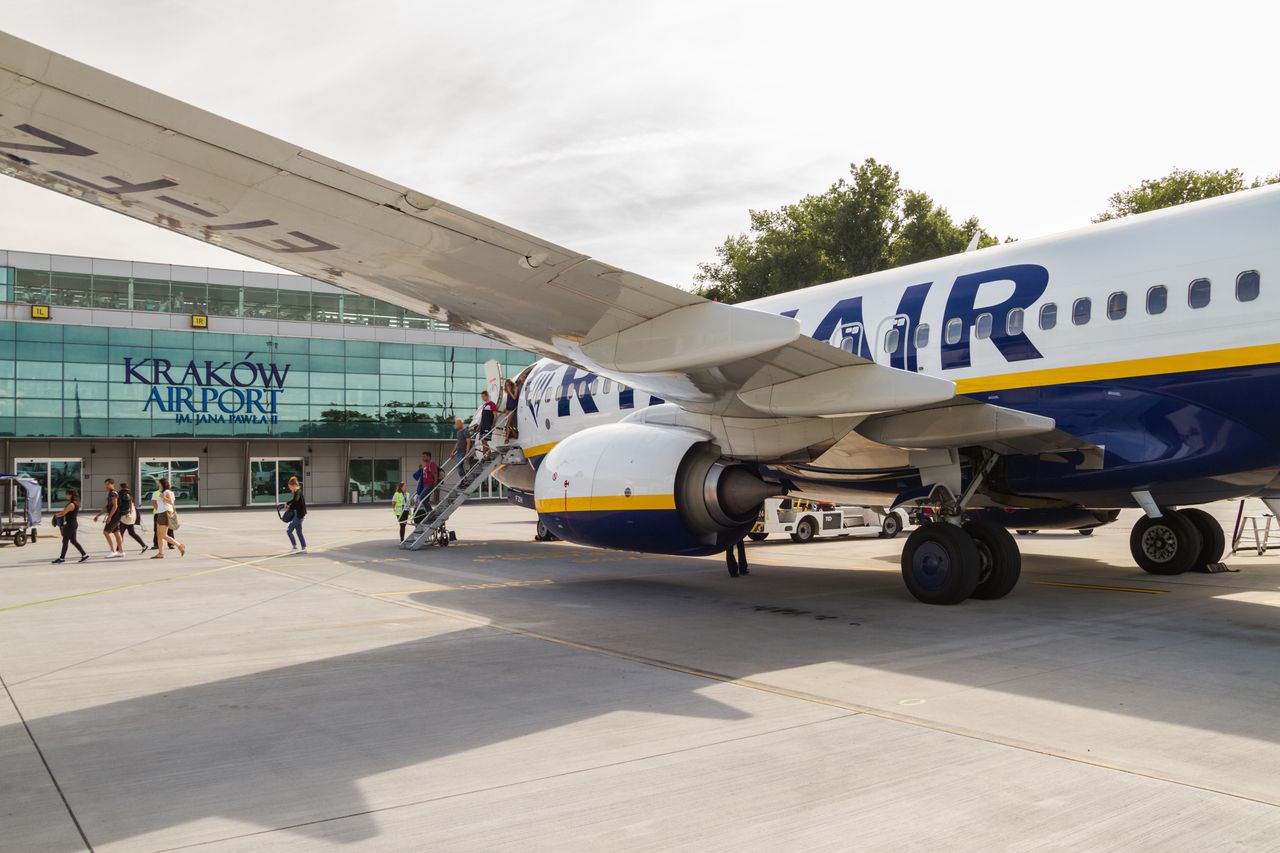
(893, 344)
(493, 381)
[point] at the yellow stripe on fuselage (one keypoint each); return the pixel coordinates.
(1182, 363)
(607, 503)
(539, 449)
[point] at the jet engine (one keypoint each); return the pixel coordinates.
(650, 488)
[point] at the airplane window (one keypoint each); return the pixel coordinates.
(591, 388)
(982, 327)
(1048, 315)
(954, 328)
(1247, 286)
(560, 393)
(922, 336)
(608, 386)
(1157, 299)
(1013, 322)
(547, 398)
(1117, 305)
(1081, 311)
(1198, 293)
(891, 341)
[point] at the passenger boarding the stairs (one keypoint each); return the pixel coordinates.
(488, 413)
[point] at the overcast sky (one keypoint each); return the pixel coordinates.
(641, 133)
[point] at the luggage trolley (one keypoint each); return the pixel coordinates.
(17, 526)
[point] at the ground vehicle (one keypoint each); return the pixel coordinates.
(20, 523)
(806, 520)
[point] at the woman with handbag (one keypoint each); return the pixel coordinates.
(129, 518)
(166, 517)
(295, 510)
(66, 521)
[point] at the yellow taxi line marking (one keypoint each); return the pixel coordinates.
(493, 585)
(231, 563)
(880, 713)
(1101, 586)
(120, 588)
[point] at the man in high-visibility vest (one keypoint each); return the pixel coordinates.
(400, 506)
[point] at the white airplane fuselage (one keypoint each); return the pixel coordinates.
(1153, 338)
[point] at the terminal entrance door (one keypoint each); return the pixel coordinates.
(183, 476)
(55, 476)
(269, 479)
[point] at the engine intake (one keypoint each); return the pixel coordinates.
(650, 488)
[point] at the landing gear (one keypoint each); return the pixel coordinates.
(757, 537)
(1168, 545)
(544, 534)
(940, 564)
(1088, 531)
(1000, 561)
(1213, 540)
(945, 562)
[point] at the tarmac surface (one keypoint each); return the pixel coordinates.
(508, 694)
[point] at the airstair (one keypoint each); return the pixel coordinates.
(475, 469)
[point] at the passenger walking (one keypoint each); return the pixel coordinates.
(427, 476)
(461, 445)
(69, 526)
(509, 408)
(111, 530)
(130, 517)
(155, 532)
(488, 410)
(298, 504)
(400, 506)
(166, 516)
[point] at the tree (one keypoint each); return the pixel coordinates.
(1178, 187)
(860, 225)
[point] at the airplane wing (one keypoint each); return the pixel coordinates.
(85, 133)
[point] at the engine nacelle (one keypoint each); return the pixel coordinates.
(641, 487)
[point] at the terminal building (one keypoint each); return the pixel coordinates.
(226, 382)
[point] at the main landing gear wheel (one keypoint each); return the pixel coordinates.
(891, 526)
(757, 537)
(1213, 540)
(940, 564)
(1088, 531)
(1000, 561)
(1168, 545)
(805, 531)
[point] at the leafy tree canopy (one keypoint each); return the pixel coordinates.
(1178, 187)
(860, 225)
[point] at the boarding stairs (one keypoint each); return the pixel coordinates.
(475, 469)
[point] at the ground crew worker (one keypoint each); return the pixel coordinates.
(400, 506)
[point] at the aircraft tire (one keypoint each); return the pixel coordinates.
(1088, 531)
(1168, 545)
(757, 537)
(1211, 535)
(1027, 532)
(806, 529)
(1001, 561)
(940, 564)
(891, 526)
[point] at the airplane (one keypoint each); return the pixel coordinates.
(1126, 364)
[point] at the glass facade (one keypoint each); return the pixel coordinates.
(60, 380)
(126, 293)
